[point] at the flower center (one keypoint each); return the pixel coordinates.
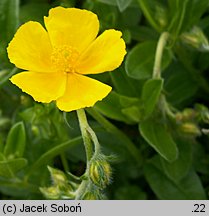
(64, 58)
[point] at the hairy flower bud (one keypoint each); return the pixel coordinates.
(100, 171)
(89, 196)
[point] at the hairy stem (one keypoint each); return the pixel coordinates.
(85, 134)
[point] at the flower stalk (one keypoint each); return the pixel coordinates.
(159, 54)
(85, 134)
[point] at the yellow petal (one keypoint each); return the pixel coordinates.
(106, 53)
(71, 27)
(30, 49)
(81, 92)
(43, 87)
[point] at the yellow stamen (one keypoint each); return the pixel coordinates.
(64, 58)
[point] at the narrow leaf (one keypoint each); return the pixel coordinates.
(15, 144)
(9, 167)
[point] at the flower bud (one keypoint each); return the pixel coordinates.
(61, 189)
(196, 39)
(51, 192)
(205, 131)
(203, 113)
(100, 171)
(186, 115)
(25, 100)
(35, 130)
(190, 128)
(161, 15)
(58, 177)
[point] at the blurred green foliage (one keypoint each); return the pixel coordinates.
(156, 128)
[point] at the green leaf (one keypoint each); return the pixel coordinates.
(197, 10)
(16, 140)
(15, 164)
(128, 101)
(9, 21)
(129, 18)
(113, 105)
(19, 189)
(200, 159)
(133, 113)
(107, 12)
(1, 144)
(157, 135)
(34, 11)
(185, 14)
(150, 95)
(130, 192)
(143, 33)
(123, 4)
(109, 2)
(189, 188)
(179, 84)
(178, 16)
(9, 167)
(140, 60)
(47, 156)
(178, 169)
(124, 84)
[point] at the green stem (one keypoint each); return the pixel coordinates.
(166, 108)
(94, 139)
(157, 72)
(84, 126)
(146, 12)
(114, 130)
(182, 16)
(159, 54)
(81, 190)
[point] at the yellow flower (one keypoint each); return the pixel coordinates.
(56, 60)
